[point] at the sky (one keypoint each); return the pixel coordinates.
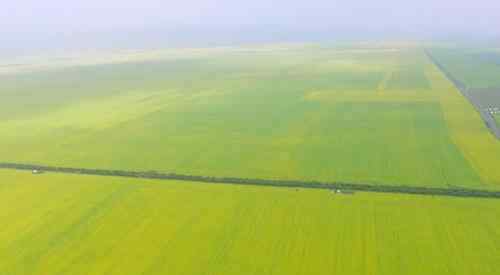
(40, 22)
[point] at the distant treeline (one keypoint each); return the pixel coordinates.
(349, 187)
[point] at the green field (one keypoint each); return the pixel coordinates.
(62, 224)
(378, 115)
(381, 115)
(478, 68)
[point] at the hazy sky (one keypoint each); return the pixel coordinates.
(20, 18)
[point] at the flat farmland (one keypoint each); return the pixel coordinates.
(71, 224)
(478, 68)
(380, 115)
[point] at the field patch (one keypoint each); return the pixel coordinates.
(384, 142)
(397, 96)
(477, 68)
(60, 224)
(408, 79)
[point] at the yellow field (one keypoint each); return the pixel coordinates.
(63, 224)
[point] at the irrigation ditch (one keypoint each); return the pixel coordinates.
(346, 187)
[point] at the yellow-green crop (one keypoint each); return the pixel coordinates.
(68, 224)
(381, 115)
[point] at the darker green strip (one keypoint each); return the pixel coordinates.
(346, 187)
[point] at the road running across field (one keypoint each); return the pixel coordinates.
(480, 99)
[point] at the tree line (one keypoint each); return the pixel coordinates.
(349, 187)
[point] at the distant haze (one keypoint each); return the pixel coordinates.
(123, 23)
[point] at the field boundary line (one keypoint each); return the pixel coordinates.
(342, 187)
